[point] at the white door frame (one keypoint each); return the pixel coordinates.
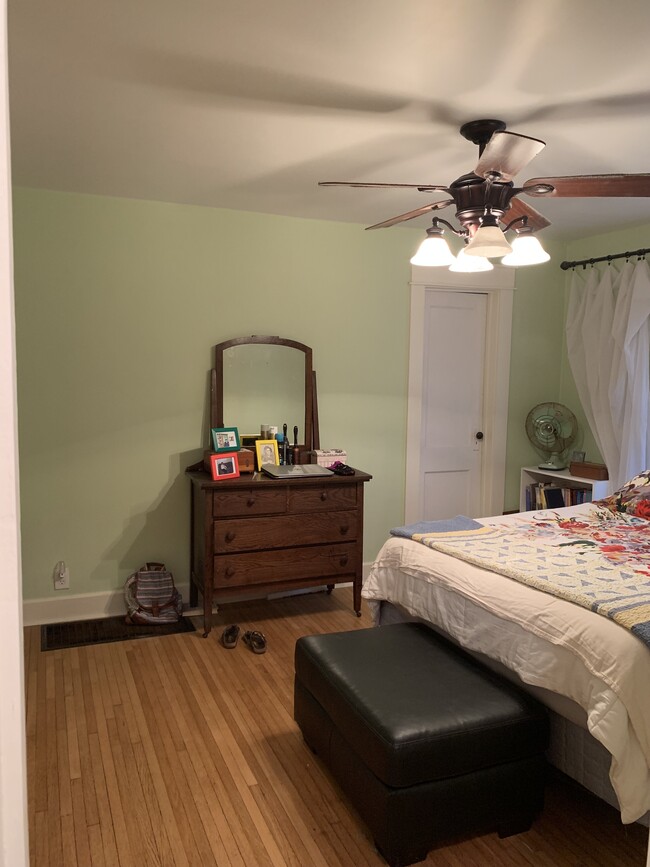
(14, 844)
(498, 285)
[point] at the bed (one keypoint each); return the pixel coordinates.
(592, 671)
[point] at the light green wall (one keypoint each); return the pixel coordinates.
(536, 360)
(118, 306)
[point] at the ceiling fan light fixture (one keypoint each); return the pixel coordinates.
(488, 241)
(470, 264)
(526, 250)
(434, 251)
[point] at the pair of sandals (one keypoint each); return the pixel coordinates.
(253, 639)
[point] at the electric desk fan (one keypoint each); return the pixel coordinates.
(552, 429)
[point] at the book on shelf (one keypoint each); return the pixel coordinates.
(547, 495)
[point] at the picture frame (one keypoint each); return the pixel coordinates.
(577, 457)
(267, 452)
(225, 439)
(224, 465)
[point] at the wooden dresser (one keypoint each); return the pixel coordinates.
(258, 535)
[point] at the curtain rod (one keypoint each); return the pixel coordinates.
(584, 262)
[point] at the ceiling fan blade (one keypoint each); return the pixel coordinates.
(410, 215)
(424, 188)
(521, 209)
(582, 186)
(507, 153)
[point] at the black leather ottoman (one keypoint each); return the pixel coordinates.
(427, 743)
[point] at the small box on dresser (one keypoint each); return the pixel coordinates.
(326, 457)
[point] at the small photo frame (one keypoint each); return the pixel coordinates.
(224, 466)
(225, 439)
(577, 457)
(267, 452)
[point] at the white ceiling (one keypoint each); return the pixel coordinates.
(247, 104)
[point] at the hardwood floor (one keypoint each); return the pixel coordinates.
(173, 751)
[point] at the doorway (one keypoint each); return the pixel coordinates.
(459, 371)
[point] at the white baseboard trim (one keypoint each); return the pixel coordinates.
(65, 607)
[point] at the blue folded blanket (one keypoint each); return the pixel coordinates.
(449, 525)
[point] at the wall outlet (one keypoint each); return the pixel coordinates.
(61, 576)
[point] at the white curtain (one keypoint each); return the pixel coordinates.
(608, 343)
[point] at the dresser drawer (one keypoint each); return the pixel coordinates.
(323, 498)
(286, 564)
(272, 501)
(286, 531)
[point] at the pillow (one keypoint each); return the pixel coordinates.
(633, 497)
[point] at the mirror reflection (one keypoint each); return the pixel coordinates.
(264, 384)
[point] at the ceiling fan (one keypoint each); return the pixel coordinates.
(488, 195)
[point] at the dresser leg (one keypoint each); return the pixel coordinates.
(207, 611)
(356, 592)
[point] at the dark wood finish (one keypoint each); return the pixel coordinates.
(520, 209)
(582, 186)
(314, 415)
(262, 535)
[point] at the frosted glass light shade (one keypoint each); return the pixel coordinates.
(434, 253)
(470, 263)
(526, 250)
(488, 241)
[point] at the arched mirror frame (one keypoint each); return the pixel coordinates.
(311, 433)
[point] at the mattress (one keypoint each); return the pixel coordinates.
(583, 665)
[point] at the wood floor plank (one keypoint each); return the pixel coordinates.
(82, 701)
(216, 781)
(53, 788)
(237, 722)
(100, 702)
(235, 775)
(270, 729)
(81, 843)
(68, 841)
(189, 756)
(106, 827)
(196, 843)
(166, 819)
(228, 713)
(199, 772)
(95, 845)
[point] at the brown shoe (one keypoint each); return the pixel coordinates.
(230, 636)
(256, 641)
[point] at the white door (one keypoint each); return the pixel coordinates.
(458, 393)
(452, 407)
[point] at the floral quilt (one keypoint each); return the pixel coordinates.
(601, 561)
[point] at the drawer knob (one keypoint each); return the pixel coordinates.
(323, 495)
(230, 535)
(343, 561)
(344, 529)
(230, 571)
(250, 501)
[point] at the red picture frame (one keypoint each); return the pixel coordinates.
(224, 465)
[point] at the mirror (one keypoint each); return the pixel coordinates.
(264, 380)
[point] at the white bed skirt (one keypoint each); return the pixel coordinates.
(572, 749)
